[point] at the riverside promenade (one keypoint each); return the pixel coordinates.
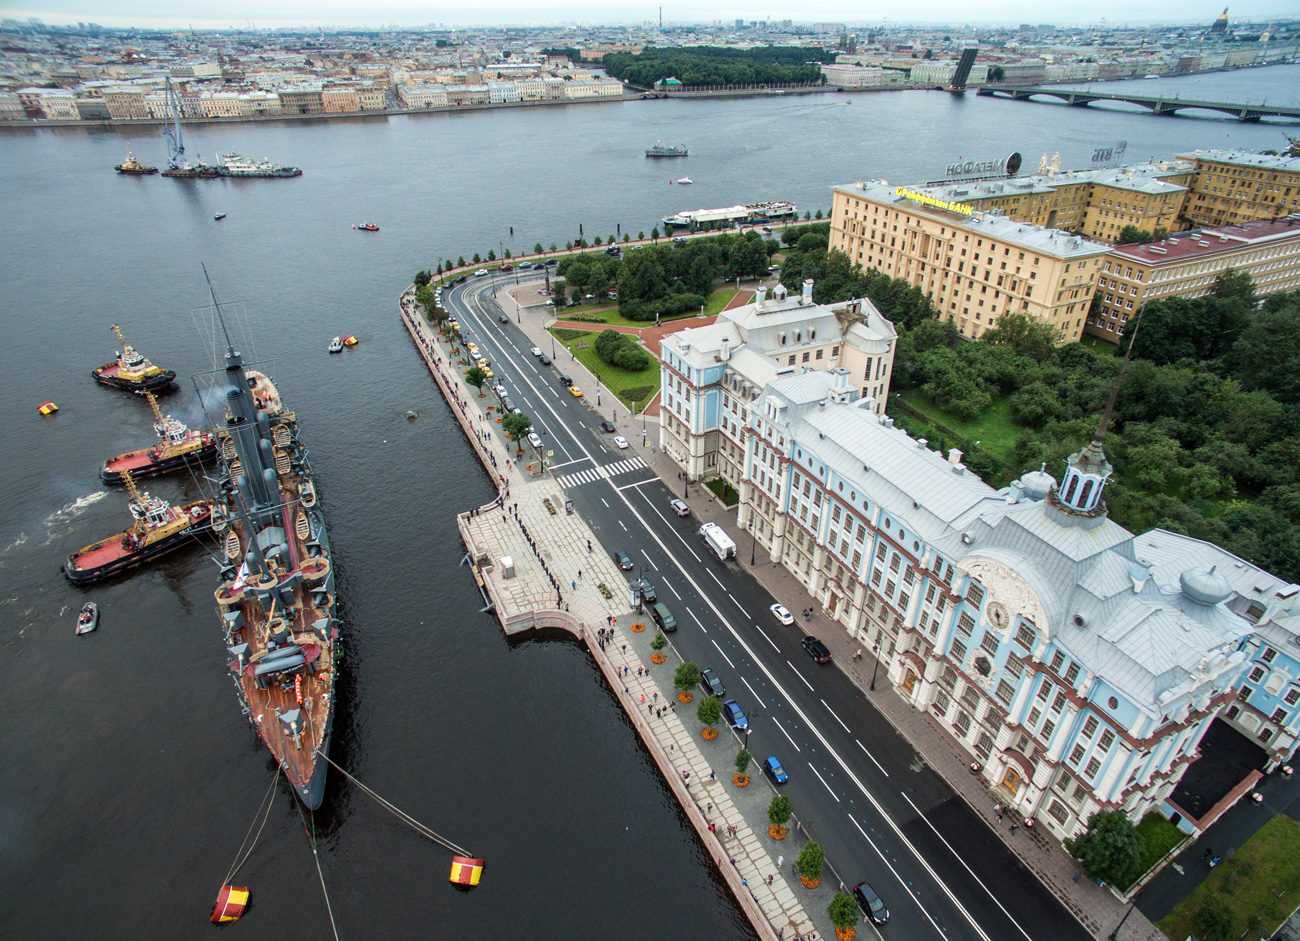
(559, 577)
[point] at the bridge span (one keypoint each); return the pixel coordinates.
(1155, 104)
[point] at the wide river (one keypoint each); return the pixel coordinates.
(130, 776)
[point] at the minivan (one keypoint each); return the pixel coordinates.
(663, 617)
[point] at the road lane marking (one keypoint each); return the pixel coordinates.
(669, 586)
(639, 483)
(964, 866)
(903, 882)
(602, 500)
(824, 784)
(757, 698)
(724, 654)
(871, 756)
(620, 523)
(800, 675)
(766, 638)
(697, 620)
(787, 735)
(837, 718)
(715, 578)
(736, 603)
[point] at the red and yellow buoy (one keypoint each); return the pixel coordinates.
(466, 871)
(231, 902)
(47, 408)
(350, 340)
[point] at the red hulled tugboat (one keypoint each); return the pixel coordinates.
(159, 528)
(179, 446)
(132, 372)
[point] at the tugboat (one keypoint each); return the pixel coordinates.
(88, 619)
(178, 448)
(366, 227)
(132, 372)
(134, 167)
(218, 216)
(276, 598)
(663, 150)
(159, 528)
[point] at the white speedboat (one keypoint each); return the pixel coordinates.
(336, 345)
(88, 619)
(685, 181)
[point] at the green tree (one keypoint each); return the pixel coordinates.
(1132, 235)
(779, 810)
(537, 249)
(553, 248)
(686, 677)
(1027, 335)
(810, 861)
(477, 259)
(1214, 919)
(507, 254)
(460, 262)
(517, 425)
(627, 236)
(476, 377)
(709, 710)
(818, 214)
(1238, 284)
(844, 910)
(1265, 355)
(598, 241)
(654, 234)
(1110, 849)
(492, 254)
(660, 641)
(422, 278)
(743, 758)
(640, 236)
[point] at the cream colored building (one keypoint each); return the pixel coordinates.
(126, 103)
(1188, 264)
(340, 98)
(585, 91)
(975, 266)
(1237, 186)
(372, 98)
(423, 96)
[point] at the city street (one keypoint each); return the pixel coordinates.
(857, 786)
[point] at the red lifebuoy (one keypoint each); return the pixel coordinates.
(297, 689)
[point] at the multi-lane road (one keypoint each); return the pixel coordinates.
(857, 786)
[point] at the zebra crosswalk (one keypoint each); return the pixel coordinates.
(601, 472)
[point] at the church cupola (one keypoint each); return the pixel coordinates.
(1085, 476)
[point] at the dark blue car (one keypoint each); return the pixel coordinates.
(774, 770)
(735, 718)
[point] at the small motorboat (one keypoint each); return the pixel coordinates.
(219, 216)
(366, 227)
(88, 619)
(685, 181)
(336, 345)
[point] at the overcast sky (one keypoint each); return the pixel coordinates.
(412, 13)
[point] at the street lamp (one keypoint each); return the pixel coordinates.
(875, 653)
(1115, 934)
(752, 541)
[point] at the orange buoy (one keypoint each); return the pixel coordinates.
(47, 408)
(466, 871)
(231, 902)
(350, 340)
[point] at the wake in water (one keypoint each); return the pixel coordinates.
(63, 515)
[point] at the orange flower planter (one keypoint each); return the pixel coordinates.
(709, 734)
(657, 658)
(684, 697)
(846, 934)
(740, 780)
(638, 627)
(776, 833)
(810, 883)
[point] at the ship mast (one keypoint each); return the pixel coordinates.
(159, 421)
(120, 339)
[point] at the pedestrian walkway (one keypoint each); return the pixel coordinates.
(540, 567)
(600, 472)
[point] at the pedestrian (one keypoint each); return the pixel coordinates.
(712, 776)
(625, 648)
(709, 807)
(656, 697)
(711, 828)
(572, 584)
(1014, 828)
(744, 882)
(780, 861)
(588, 545)
(794, 870)
(769, 878)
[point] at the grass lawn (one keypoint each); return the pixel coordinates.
(612, 378)
(993, 428)
(1159, 836)
(715, 302)
(1260, 882)
(609, 315)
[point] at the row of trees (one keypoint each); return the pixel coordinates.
(714, 66)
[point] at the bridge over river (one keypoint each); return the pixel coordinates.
(1156, 104)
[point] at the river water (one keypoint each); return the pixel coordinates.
(131, 776)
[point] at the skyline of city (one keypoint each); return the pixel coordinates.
(403, 14)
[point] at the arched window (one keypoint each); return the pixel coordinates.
(1087, 492)
(1069, 490)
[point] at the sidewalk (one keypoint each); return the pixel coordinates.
(555, 581)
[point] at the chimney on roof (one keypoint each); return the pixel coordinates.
(760, 296)
(954, 456)
(725, 353)
(806, 297)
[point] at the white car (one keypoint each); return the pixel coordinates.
(536, 351)
(499, 389)
(680, 507)
(782, 614)
(534, 440)
(620, 441)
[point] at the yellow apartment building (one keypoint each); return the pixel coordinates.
(1236, 186)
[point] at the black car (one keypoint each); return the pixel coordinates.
(871, 904)
(607, 426)
(544, 359)
(817, 650)
(551, 263)
(648, 593)
(710, 683)
(503, 319)
(462, 279)
(565, 381)
(623, 559)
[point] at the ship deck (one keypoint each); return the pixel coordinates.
(103, 553)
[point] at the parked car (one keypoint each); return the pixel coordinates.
(565, 381)
(735, 718)
(817, 650)
(502, 318)
(544, 360)
(499, 389)
(575, 392)
(623, 559)
(607, 426)
(481, 273)
(507, 267)
(536, 351)
(534, 440)
(525, 265)
(620, 441)
(710, 683)
(681, 239)
(648, 593)
(782, 614)
(872, 906)
(663, 617)
(679, 507)
(774, 770)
